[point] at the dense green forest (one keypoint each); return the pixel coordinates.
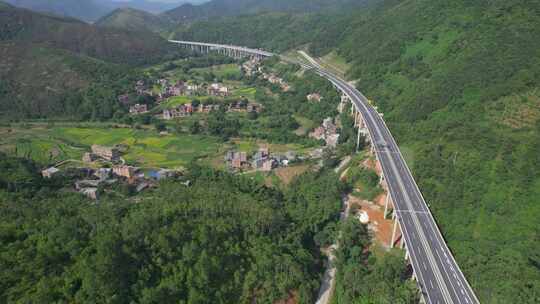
(135, 20)
(56, 67)
(458, 82)
(222, 239)
(218, 8)
(365, 278)
(111, 45)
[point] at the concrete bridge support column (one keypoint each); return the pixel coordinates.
(394, 232)
(406, 254)
(388, 199)
(344, 99)
(358, 139)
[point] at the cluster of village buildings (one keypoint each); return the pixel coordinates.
(178, 88)
(262, 160)
(94, 179)
(328, 132)
(181, 88)
(314, 97)
(251, 67)
(189, 108)
(273, 79)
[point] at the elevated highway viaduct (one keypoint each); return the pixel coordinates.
(435, 270)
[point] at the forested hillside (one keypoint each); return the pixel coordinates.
(220, 8)
(88, 10)
(52, 66)
(112, 45)
(459, 84)
(221, 239)
(135, 20)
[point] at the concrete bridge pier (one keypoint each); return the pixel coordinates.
(358, 139)
(394, 230)
(344, 100)
(387, 202)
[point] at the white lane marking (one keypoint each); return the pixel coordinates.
(357, 95)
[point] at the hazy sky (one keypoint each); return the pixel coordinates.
(165, 1)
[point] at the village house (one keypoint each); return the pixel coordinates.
(162, 174)
(103, 173)
(123, 99)
(268, 165)
(318, 133)
(192, 89)
(285, 87)
(207, 108)
(107, 153)
(244, 106)
(50, 172)
(257, 163)
(125, 171)
(253, 107)
(178, 89)
(250, 67)
(217, 89)
(273, 79)
(236, 160)
(314, 97)
(88, 183)
(89, 157)
(178, 112)
(332, 140)
(139, 87)
(327, 132)
(91, 193)
(260, 158)
(138, 109)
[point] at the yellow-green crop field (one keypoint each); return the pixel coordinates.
(145, 148)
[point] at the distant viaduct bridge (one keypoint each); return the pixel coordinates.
(435, 270)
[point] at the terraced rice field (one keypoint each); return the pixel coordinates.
(143, 148)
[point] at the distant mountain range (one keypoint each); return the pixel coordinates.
(135, 20)
(45, 58)
(91, 10)
(221, 8)
(175, 19)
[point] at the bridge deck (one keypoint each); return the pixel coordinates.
(439, 277)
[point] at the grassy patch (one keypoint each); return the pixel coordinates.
(335, 62)
(248, 93)
(287, 174)
(145, 148)
(222, 71)
(306, 124)
(176, 101)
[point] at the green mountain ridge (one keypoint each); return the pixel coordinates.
(220, 8)
(87, 10)
(458, 83)
(48, 62)
(134, 20)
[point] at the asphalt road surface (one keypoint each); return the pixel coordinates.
(438, 275)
